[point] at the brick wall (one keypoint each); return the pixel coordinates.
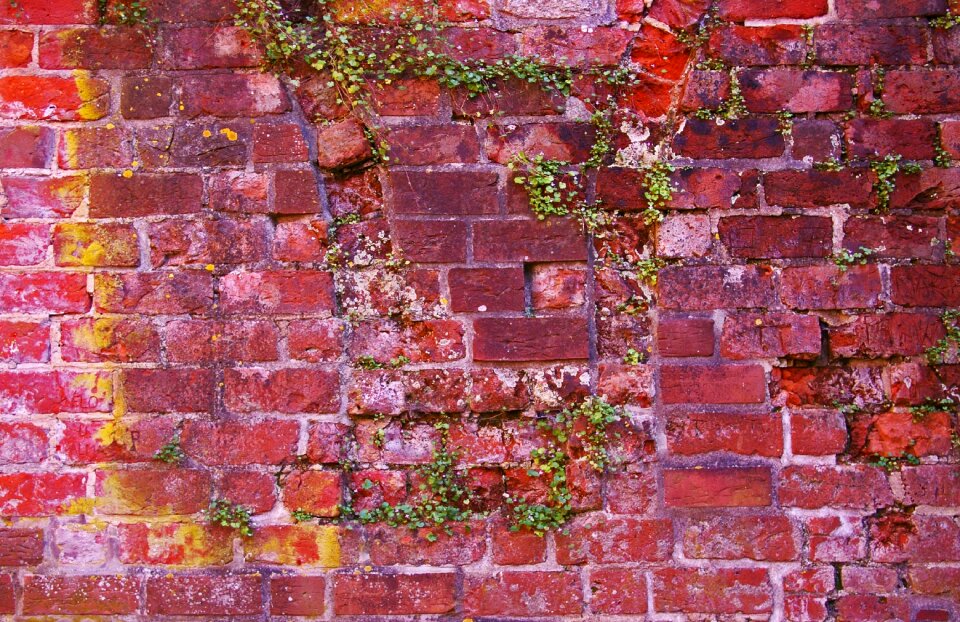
(165, 271)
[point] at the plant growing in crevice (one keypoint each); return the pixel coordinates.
(733, 106)
(171, 452)
(937, 354)
(846, 258)
(886, 170)
(232, 516)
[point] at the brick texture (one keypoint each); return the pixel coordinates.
(196, 249)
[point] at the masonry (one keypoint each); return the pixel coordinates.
(215, 287)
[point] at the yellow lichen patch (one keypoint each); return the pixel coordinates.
(71, 147)
(230, 134)
(299, 545)
(207, 133)
(115, 433)
(90, 92)
(127, 173)
(78, 507)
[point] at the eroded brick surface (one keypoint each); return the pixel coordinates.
(202, 256)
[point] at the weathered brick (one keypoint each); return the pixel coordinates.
(118, 340)
(618, 591)
(704, 288)
(529, 339)
(154, 293)
(724, 384)
(431, 241)
(27, 146)
(871, 138)
(114, 196)
(297, 596)
(867, 44)
(95, 48)
(529, 241)
(174, 544)
(678, 337)
(486, 289)
(720, 591)
(818, 188)
(727, 487)
(576, 46)
(511, 592)
(235, 95)
(80, 98)
(284, 390)
(43, 12)
(774, 90)
(393, 594)
(204, 595)
(24, 342)
(817, 432)
(445, 193)
(770, 335)
(743, 434)
(751, 536)
(152, 492)
(747, 138)
(777, 237)
(277, 292)
(21, 547)
(146, 97)
(828, 287)
(823, 486)
(759, 45)
(168, 390)
(926, 286)
(206, 47)
(81, 595)
(741, 10)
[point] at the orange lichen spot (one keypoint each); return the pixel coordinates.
(230, 134)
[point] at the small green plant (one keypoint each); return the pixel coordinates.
(941, 158)
(894, 463)
(845, 258)
(937, 354)
(930, 406)
(733, 107)
(886, 170)
(877, 107)
(171, 452)
(633, 357)
(225, 514)
(657, 190)
(543, 517)
(831, 164)
(950, 19)
(369, 363)
(785, 117)
(648, 270)
(810, 58)
(553, 191)
(122, 12)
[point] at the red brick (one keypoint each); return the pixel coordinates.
(922, 92)
(893, 236)
(742, 10)
(816, 139)
(517, 547)
(869, 9)
(946, 45)
(168, 390)
(233, 95)
(861, 580)
(274, 143)
(511, 97)
(750, 138)
(296, 193)
(926, 286)
(174, 544)
(80, 98)
(21, 547)
(525, 593)
(618, 591)
(237, 191)
(935, 485)
(297, 596)
(674, 13)
(24, 342)
(39, 494)
(407, 97)
(759, 45)
(53, 392)
(818, 188)
(23, 244)
(744, 434)
(486, 289)
(27, 146)
(119, 340)
(706, 90)
(575, 46)
(836, 539)
(758, 537)
(778, 237)
(95, 48)
(940, 581)
(827, 287)
(291, 390)
(721, 591)
(725, 384)
(205, 47)
(152, 492)
(773, 90)
(824, 486)
(730, 487)
(81, 595)
(221, 240)
(43, 12)
(817, 432)
(196, 341)
(83, 441)
(705, 288)
(898, 433)
(44, 292)
(529, 339)
(911, 138)
(932, 189)
(205, 595)
(393, 594)
(868, 44)
(685, 337)
(480, 43)
(434, 144)
(556, 287)
(99, 147)
(569, 142)
(594, 538)
(154, 293)
(805, 386)
(464, 10)
(22, 443)
(315, 341)
(146, 97)
(529, 241)
(233, 443)
(445, 193)
(658, 52)
(872, 608)
(770, 335)
(432, 241)
(897, 538)
(463, 544)
(277, 292)
(878, 336)
(114, 196)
